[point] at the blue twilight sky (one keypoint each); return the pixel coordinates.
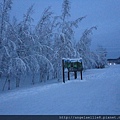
(105, 14)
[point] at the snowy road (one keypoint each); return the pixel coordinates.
(97, 94)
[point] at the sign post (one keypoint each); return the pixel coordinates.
(72, 65)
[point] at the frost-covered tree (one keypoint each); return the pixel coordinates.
(38, 50)
(83, 47)
(5, 7)
(63, 43)
(17, 67)
(102, 53)
(43, 29)
(94, 58)
(24, 33)
(24, 42)
(7, 45)
(44, 36)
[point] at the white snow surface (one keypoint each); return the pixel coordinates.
(97, 94)
(73, 60)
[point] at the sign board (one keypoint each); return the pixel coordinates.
(72, 65)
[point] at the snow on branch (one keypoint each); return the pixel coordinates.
(43, 60)
(77, 21)
(17, 65)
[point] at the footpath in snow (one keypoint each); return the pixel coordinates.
(97, 94)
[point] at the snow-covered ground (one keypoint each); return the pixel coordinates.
(97, 94)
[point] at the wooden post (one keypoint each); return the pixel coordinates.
(81, 74)
(75, 74)
(63, 71)
(68, 75)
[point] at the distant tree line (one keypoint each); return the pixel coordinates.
(26, 50)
